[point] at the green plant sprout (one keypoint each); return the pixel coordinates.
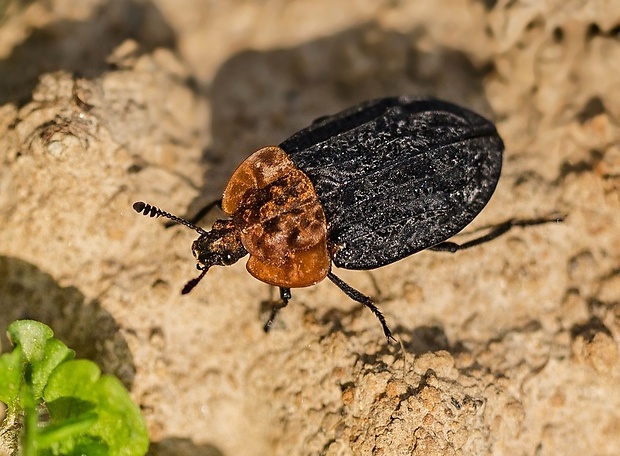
(56, 405)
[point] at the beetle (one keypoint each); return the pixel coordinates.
(359, 189)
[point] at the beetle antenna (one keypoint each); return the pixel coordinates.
(189, 286)
(152, 211)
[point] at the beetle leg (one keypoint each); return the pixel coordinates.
(201, 213)
(285, 295)
(362, 299)
(496, 231)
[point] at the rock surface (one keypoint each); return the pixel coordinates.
(508, 348)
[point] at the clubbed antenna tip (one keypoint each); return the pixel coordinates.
(146, 209)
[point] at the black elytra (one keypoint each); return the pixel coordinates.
(397, 175)
(393, 176)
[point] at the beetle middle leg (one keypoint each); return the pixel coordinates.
(495, 232)
(285, 295)
(362, 299)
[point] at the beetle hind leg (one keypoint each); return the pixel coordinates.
(285, 295)
(495, 232)
(362, 299)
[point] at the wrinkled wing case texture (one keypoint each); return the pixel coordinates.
(397, 175)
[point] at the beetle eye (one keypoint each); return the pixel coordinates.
(228, 259)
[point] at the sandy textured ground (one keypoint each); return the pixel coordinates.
(509, 348)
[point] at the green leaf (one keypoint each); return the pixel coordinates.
(40, 354)
(89, 413)
(10, 377)
(120, 424)
(83, 445)
(66, 429)
(54, 353)
(32, 336)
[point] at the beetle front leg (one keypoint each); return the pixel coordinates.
(206, 209)
(285, 295)
(202, 212)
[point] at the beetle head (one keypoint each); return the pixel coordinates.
(221, 246)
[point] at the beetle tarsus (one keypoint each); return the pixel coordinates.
(495, 232)
(285, 295)
(362, 299)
